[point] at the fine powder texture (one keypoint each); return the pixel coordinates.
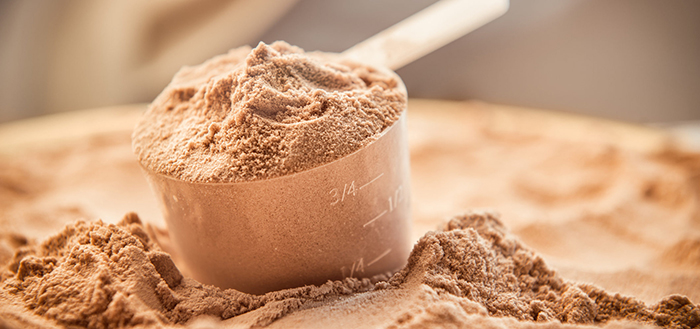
(475, 258)
(97, 275)
(107, 276)
(266, 112)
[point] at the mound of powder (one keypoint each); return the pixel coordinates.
(107, 276)
(97, 275)
(266, 112)
(475, 259)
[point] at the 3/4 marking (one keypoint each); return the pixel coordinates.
(375, 218)
(336, 196)
(348, 189)
(379, 257)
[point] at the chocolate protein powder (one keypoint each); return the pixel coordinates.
(277, 168)
(471, 273)
(266, 112)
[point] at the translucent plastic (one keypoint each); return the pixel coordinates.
(347, 218)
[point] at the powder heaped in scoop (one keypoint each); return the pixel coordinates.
(265, 112)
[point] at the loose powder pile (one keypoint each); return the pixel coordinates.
(108, 276)
(111, 276)
(476, 259)
(266, 112)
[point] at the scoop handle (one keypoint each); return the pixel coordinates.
(425, 31)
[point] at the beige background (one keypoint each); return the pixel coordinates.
(636, 60)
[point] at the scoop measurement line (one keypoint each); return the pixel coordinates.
(349, 190)
(375, 218)
(379, 257)
(372, 181)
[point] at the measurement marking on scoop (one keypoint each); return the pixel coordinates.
(372, 181)
(375, 218)
(379, 257)
(348, 190)
(357, 267)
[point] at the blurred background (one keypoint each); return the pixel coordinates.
(632, 60)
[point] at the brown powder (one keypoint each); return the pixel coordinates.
(107, 276)
(265, 112)
(475, 258)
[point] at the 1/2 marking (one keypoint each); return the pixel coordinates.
(394, 201)
(396, 198)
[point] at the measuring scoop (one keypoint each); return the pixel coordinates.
(347, 218)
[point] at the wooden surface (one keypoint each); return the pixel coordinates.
(52, 130)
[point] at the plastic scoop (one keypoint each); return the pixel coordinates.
(426, 31)
(347, 218)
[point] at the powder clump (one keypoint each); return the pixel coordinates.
(265, 112)
(475, 258)
(100, 275)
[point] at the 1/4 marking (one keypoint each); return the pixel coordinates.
(358, 266)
